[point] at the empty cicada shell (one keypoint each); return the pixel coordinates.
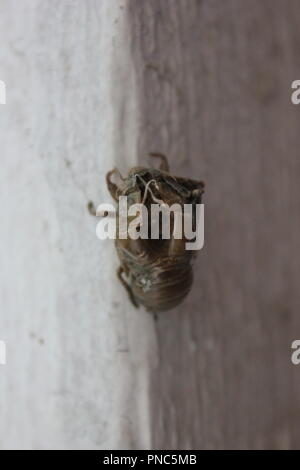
(157, 273)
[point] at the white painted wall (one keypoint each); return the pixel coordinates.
(78, 356)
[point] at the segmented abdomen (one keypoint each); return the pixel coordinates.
(162, 286)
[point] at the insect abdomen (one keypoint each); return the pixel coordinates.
(163, 287)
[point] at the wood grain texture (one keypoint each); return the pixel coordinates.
(214, 83)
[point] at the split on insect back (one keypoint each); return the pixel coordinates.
(158, 226)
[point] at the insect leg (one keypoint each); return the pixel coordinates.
(112, 187)
(91, 208)
(96, 213)
(120, 272)
(164, 164)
